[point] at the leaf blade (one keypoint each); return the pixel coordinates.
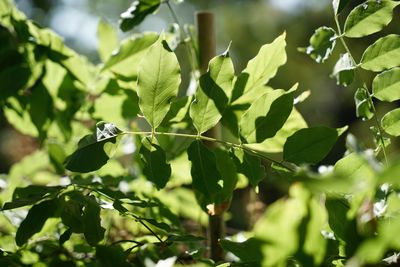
(368, 18)
(156, 169)
(204, 171)
(213, 94)
(91, 155)
(260, 70)
(383, 54)
(266, 115)
(158, 82)
(386, 85)
(391, 122)
(310, 145)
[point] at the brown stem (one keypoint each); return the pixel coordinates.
(207, 50)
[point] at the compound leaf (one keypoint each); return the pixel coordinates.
(213, 94)
(386, 85)
(260, 70)
(137, 12)
(322, 43)
(363, 104)
(158, 82)
(369, 17)
(34, 221)
(126, 59)
(310, 145)
(344, 70)
(391, 122)
(266, 115)
(92, 154)
(339, 5)
(383, 54)
(92, 229)
(107, 39)
(204, 171)
(156, 169)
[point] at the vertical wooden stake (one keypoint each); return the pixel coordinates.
(207, 50)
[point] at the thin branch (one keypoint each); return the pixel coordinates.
(225, 143)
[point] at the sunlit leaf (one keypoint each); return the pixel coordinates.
(213, 94)
(363, 104)
(275, 144)
(125, 60)
(137, 12)
(386, 85)
(266, 115)
(383, 54)
(259, 70)
(369, 17)
(391, 122)
(310, 145)
(107, 39)
(95, 149)
(158, 82)
(344, 70)
(156, 169)
(322, 43)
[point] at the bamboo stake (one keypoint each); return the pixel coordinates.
(207, 50)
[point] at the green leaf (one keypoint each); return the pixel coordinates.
(213, 94)
(249, 251)
(41, 109)
(24, 196)
(339, 5)
(344, 70)
(107, 39)
(95, 149)
(116, 107)
(391, 122)
(204, 171)
(126, 59)
(137, 12)
(250, 166)
(266, 115)
(369, 17)
(57, 157)
(275, 144)
(345, 230)
(386, 85)
(322, 43)
(383, 54)
(111, 256)
(156, 169)
(71, 216)
(158, 82)
(34, 221)
(227, 169)
(178, 112)
(291, 228)
(259, 71)
(92, 229)
(363, 104)
(310, 145)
